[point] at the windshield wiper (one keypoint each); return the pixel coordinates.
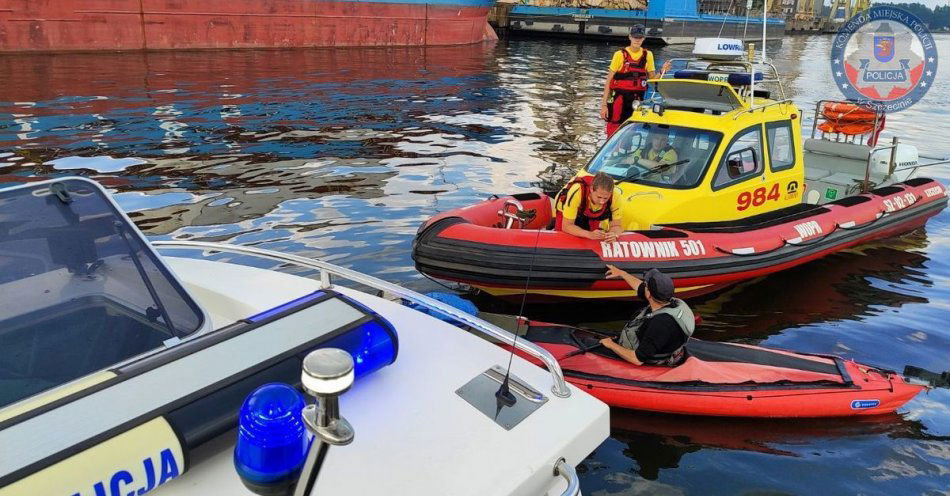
(149, 312)
(659, 168)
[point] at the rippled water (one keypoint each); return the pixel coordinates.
(341, 154)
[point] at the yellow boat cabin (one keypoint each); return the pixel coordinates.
(716, 145)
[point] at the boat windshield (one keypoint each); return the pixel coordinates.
(81, 289)
(657, 155)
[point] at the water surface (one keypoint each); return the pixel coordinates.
(342, 154)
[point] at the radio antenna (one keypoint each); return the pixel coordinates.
(503, 396)
(765, 20)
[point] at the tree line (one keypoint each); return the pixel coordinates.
(937, 19)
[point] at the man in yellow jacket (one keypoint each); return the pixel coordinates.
(626, 82)
(589, 207)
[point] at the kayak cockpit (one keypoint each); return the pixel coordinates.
(708, 364)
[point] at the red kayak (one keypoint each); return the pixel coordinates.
(726, 379)
(501, 244)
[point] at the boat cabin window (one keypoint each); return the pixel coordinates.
(657, 155)
(740, 163)
(781, 146)
(82, 291)
(742, 160)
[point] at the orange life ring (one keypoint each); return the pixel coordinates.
(849, 128)
(847, 112)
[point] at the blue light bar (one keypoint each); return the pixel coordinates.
(373, 346)
(290, 304)
(272, 441)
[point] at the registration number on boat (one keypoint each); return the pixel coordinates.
(757, 197)
(899, 202)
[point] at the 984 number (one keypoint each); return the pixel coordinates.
(757, 197)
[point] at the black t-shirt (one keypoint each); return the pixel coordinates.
(660, 335)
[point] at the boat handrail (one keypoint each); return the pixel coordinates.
(772, 78)
(559, 388)
(920, 166)
(758, 107)
(569, 473)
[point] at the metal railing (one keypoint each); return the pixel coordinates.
(327, 270)
(840, 137)
(872, 150)
(565, 470)
(747, 66)
(763, 106)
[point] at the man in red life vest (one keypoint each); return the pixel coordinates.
(626, 82)
(589, 207)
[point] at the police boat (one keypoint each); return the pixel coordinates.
(197, 372)
(737, 192)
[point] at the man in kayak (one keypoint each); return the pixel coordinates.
(626, 82)
(658, 334)
(589, 207)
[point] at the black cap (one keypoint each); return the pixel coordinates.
(638, 31)
(659, 284)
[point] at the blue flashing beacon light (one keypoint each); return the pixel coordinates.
(373, 346)
(272, 441)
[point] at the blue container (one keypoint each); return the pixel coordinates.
(450, 299)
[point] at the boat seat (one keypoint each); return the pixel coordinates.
(843, 150)
(836, 157)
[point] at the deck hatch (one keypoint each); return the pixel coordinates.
(86, 289)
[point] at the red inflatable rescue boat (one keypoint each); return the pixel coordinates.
(725, 379)
(506, 244)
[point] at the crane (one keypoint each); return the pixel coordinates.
(860, 6)
(839, 11)
(842, 10)
(805, 11)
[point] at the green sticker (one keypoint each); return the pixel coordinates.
(831, 193)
